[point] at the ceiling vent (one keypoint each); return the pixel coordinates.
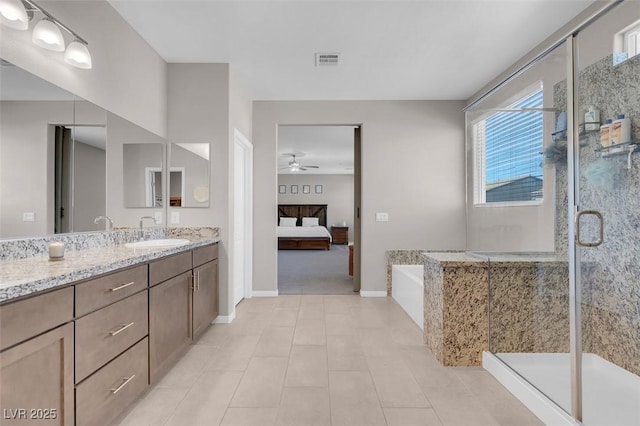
(327, 59)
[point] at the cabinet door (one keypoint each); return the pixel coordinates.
(205, 297)
(37, 380)
(169, 323)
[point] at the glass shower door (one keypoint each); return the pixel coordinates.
(607, 226)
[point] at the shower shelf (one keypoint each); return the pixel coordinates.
(626, 148)
(561, 136)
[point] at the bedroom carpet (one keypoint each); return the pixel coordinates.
(314, 271)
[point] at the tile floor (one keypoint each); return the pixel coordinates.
(321, 360)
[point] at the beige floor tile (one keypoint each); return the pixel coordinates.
(311, 299)
(186, 371)
(311, 311)
(460, 407)
(411, 417)
(154, 408)
(262, 383)
(284, 317)
(377, 342)
(250, 417)
(339, 324)
(206, 402)
(407, 336)
(310, 332)
(429, 374)
(275, 341)
(340, 304)
(217, 335)
(307, 366)
(497, 400)
(344, 353)
(353, 399)
(235, 355)
(257, 304)
(395, 383)
(289, 301)
(366, 317)
(304, 406)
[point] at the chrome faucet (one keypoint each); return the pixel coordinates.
(141, 232)
(107, 221)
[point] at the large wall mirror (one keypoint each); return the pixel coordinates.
(143, 174)
(189, 174)
(61, 160)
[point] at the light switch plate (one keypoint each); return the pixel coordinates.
(175, 218)
(382, 217)
(28, 217)
(158, 217)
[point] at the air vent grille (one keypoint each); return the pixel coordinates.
(327, 59)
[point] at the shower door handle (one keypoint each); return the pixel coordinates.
(600, 239)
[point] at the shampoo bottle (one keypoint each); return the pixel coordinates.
(605, 133)
(591, 119)
(620, 130)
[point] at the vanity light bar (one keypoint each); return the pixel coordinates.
(46, 34)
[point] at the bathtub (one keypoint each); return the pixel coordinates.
(407, 288)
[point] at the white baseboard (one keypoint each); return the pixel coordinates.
(264, 293)
(533, 399)
(225, 319)
(369, 293)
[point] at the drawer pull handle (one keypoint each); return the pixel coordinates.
(125, 383)
(120, 287)
(121, 329)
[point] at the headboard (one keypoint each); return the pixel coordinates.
(304, 210)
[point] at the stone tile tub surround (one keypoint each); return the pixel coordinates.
(22, 277)
(456, 305)
(405, 257)
(611, 296)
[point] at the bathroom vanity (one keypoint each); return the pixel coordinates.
(84, 348)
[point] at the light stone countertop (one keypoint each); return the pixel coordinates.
(462, 259)
(23, 277)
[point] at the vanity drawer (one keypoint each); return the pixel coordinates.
(105, 333)
(106, 394)
(169, 267)
(27, 318)
(103, 291)
(202, 255)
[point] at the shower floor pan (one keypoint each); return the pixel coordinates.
(611, 394)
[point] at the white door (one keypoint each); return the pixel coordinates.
(242, 217)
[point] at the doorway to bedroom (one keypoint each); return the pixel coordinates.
(318, 206)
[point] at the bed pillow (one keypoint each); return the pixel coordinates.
(310, 221)
(288, 221)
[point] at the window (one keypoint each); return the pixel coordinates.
(507, 149)
(626, 43)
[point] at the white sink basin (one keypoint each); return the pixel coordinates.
(154, 244)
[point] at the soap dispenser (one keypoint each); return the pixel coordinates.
(620, 130)
(605, 133)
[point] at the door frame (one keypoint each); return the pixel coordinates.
(241, 141)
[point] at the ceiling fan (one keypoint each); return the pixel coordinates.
(294, 166)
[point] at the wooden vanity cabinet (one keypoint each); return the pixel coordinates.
(169, 312)
(37, 372)
(205, 289)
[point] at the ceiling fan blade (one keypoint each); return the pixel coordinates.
(311, 167)
(282, 168)
(302, 168)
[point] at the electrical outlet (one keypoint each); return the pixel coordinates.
(175, 218)
(382, 217)
(28, 217)
(158, 217)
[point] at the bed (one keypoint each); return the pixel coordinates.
(300, 237)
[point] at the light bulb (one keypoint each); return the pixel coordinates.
(78, 55)
(13, 14)
(47, 34)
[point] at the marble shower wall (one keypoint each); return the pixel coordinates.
(611, 288)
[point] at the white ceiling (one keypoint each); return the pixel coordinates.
(95, 136)
(328, 147)
(391, 49)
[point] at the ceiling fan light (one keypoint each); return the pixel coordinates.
(77, 54)
(47, 35)
(13, 14)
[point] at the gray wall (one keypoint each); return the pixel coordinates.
(90, 192)
(337, 194)
(413, 169)
(137, 157)
(196, 173)
(27, 160)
